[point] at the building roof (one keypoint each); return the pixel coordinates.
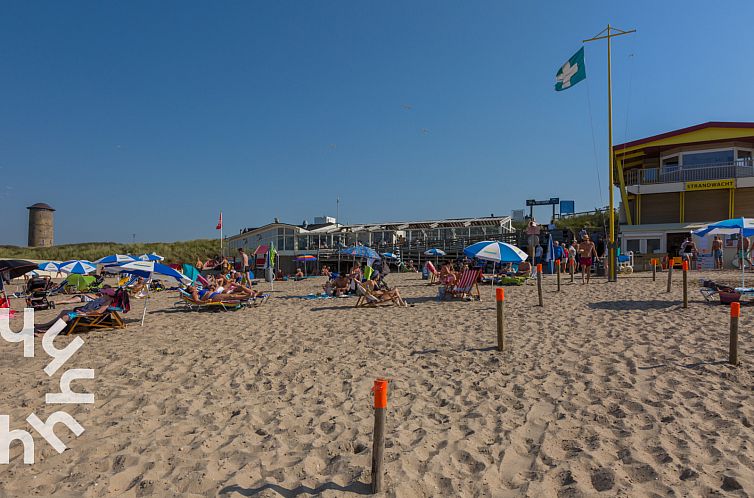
(501, 221)
(683, 131)
(41, 205)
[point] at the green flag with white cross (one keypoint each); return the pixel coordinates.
(573, 71)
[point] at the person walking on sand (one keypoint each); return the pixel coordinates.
(717, 252)
(587, 252)
(244, 266)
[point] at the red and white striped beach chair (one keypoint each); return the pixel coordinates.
(466, 285)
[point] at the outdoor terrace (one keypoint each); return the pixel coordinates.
(741, 168)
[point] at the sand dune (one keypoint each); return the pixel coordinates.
(610, 390)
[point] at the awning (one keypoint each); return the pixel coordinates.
(261, 250)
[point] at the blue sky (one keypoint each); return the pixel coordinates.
(148, 118)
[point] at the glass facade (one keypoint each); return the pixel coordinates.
(699, 159)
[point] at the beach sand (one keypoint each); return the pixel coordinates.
(609, 390)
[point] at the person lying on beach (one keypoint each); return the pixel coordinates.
(96, 306)
(240, 291)
(211, 295)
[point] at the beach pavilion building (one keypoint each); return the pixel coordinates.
(677, 181)
(407, 239)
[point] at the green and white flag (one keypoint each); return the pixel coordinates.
(572, 71)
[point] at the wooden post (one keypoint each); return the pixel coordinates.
(571, 265)
(670, 274)
(735, 312)
(685, 284)
(378, 442)
(654, 270)
(539, 283)
(500, 298)
(557, 264)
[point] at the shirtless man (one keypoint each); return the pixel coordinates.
(587, 252)
(717, 252)
(244, 265)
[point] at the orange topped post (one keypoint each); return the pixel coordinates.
(539, 283)
(500, 303)
(685, 267)
(735, 312)
(378, 443)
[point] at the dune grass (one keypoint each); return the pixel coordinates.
(174, 252)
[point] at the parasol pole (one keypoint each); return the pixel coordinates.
(146, 300)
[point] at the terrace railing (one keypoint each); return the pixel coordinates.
(741, 168)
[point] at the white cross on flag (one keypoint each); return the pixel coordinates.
(571, 72)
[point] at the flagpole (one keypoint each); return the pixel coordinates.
(221, 234)
(612, 274)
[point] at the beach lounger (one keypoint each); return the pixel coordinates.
(110, 319)
(187, 302)
(466, 286)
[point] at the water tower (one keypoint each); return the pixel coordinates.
(41, 225)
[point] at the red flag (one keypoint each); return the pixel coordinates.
(220, 223)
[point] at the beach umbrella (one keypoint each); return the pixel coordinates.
(742, 226)
(151, 257)
(550, 258)
(390, 255)
(48, 266)
(496, 251)
(436, 253)
(115, 259)
(77, 266)
(147, 269)
(361, 252)
(12, 268)
(306, 257)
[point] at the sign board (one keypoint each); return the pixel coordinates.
(551, 201)
(710, 185)
(567, 207)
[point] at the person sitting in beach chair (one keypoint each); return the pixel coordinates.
(524, 269)
(371, 296)
(467, 285)
(101, 312)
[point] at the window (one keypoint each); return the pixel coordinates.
(632, 245)
(670, 164)
(653, 246)
(701, 159)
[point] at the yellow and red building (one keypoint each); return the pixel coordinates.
(674, 182)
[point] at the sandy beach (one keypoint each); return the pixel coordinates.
(609, 390)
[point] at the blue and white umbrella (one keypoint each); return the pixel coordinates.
(48, 266)
(390, 255)
(434, 252)
(147, 269)
(361, 252)
(77, 267)
(151, 257)
(742, 226)
(115, 259)
(498, 252)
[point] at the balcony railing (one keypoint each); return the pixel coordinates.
(741, 168)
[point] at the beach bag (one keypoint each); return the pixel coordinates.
(727, 297)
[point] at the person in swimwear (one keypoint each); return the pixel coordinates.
(587, 253)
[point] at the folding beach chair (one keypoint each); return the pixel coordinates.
(109, 319)
(466, 286)
(368, 298)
